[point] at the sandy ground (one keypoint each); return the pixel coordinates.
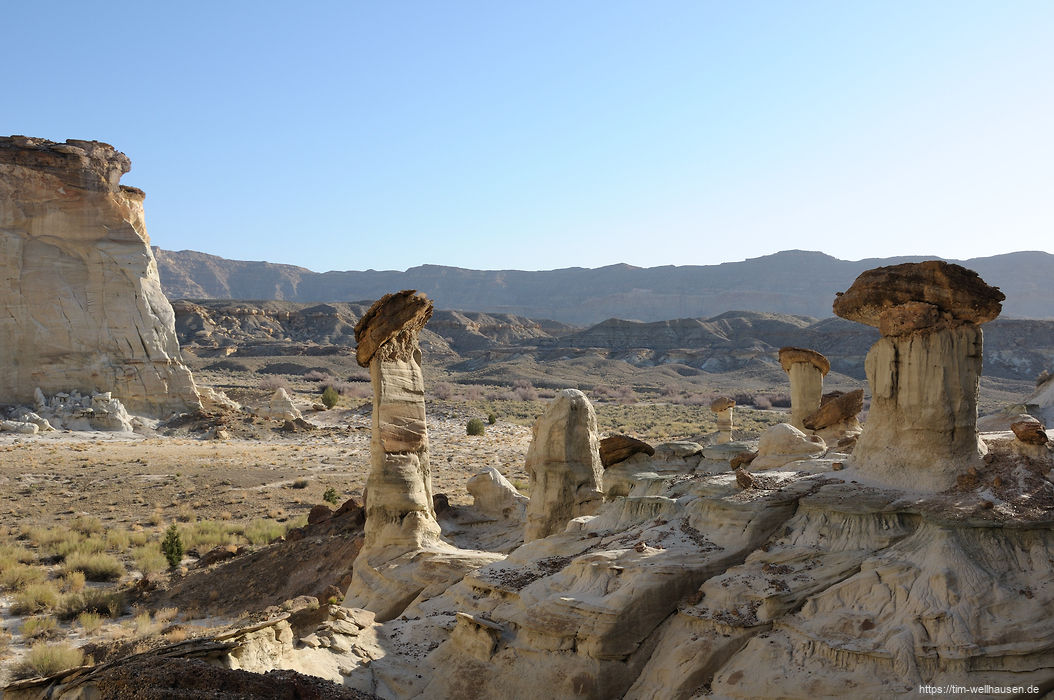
(124, 479)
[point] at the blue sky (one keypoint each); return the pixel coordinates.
(540, 135)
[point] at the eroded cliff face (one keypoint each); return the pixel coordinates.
(81, 306)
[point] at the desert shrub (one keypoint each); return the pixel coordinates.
(73, 581)
(209, 533)
(149, 559)
(19, 576)
(40, 627)
(443, 390)
(87, 525)
(763, 402)
(49, 659)
(525, 391)
(138, 537)
(145, 626)
(34, 598)
(263, 531)
(492, 418)
(330, 397)
(331, 496)
(118, 540)
(473, 393)
(89, 622)
(353, 390)
(11, 555)
(318, 376)
(172, 546)
(96, 567)
(274, 384)
(300, 484)
(166, 614)
(474, 427)
(91, 600)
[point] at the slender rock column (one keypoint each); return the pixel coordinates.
(722, 408)
(806, 369)
(921, 430)
(399, 487)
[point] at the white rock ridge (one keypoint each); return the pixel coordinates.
(81, 306)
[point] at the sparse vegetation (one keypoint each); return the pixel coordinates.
(331, 496)
(263, 531)
(492, 418)
(330, 397)
(36, 597)
(41, 627)
(475, 427)
(96, 567)
(89, 622)
(49, 659)
(172, 546)
(149, 559)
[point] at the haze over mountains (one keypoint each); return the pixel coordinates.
(790, 282)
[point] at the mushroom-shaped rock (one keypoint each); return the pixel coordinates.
(722, 406)
(494, 495)
(783, 443)
(837, 415)
(921, 430)
(281, 407)
(806, 370)
(619, 448)
(563, 464)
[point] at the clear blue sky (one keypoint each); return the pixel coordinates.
(547, 134)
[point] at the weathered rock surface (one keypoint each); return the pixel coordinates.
(563, 465)
(836, 418)
(782, 444)
(494, 495)
(924, 372)
(81, 306)
(280, 407)
(72, 411)
(914, 296)
(722, 408)
(1030, 432)
(618, 448)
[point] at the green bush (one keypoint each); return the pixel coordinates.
(492, 418)
(331, 496)
(172, 546)
(330, 397)
(474, 427)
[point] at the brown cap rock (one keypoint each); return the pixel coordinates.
(721, 403)
(390, 315)
(835, 410)
(791, 355)
(899, 299)
(619, 448)
(742, 459)
(1030, 432)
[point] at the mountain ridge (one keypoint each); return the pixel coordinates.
(794, 282)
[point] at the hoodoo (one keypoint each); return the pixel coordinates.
(81, 307)
(806, 369)
(921, 430)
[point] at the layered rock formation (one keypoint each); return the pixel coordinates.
(81, 306)
(806, 369)
(836, 418)
(924, 371)
(403, 556)
(563, 465)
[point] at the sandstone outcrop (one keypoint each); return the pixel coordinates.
(836, 418)
(1032, 440)
(722, 408)
(494, 495)
(806, 370)
(618, 448)
(563, 465)
(924, 371)
(280, 407)
(402, 556)
(783, 443)
(81, 307)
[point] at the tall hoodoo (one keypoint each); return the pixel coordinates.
(399, 487)
(563, 464)
(81, 306)
(924, 371)
(806, 369)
